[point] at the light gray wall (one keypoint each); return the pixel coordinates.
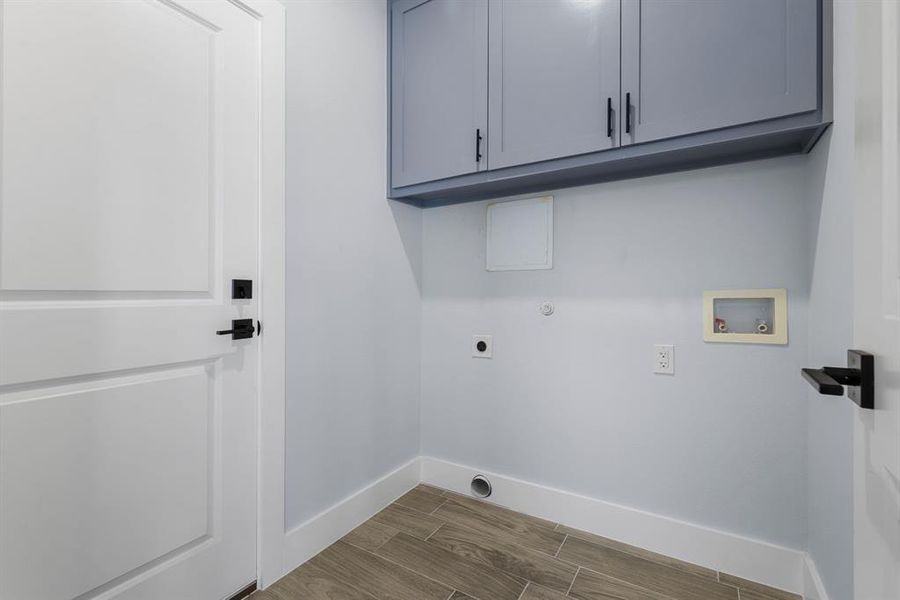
(830, 442)
(352, 264)
(571, 401)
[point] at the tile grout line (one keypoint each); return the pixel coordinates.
(393, 535)
(358, 547)
(527, 583)
(424, 512)
(563, 543)
(428, 537)
(571, 585)
(626, 582)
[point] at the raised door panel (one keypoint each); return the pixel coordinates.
(439, 89)
(94, 453)
(696, 65)
(554, 79)
(110, 190)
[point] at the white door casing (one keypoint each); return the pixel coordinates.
(129, 200)
(876, 261)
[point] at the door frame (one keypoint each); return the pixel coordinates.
(270, 15)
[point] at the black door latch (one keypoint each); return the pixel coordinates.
(858, 376)
(241, 329)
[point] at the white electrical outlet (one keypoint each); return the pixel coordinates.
(664, 359)
(482, 346)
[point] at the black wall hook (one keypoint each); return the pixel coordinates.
(858, 376)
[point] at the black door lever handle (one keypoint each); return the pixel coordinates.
(858, 376)
(823, 382)
(241, 329)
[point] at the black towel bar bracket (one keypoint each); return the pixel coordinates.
(858, 377)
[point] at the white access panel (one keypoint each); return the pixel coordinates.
(520, 235)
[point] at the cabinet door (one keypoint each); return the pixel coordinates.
(439, 89)
(554, 79)
(696, 65)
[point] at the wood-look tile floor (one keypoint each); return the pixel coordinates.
(436, 545)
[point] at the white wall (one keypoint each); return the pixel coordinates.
(570, 400)
(830, 441)
(352, 264)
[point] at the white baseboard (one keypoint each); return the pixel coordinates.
(767, 563)
(311, 537)
(813, 588)
(756, 560)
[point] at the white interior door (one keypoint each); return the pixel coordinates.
(877, 301)
(128, 202)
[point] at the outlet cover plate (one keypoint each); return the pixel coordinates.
(664, 359)
(482, 341)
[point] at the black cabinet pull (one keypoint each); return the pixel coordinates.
(478, 145)
(609, 117)
(628, 112)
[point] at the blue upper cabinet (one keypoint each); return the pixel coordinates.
(699, 65)
(438, 89)
(554, 79)
(496, 97)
